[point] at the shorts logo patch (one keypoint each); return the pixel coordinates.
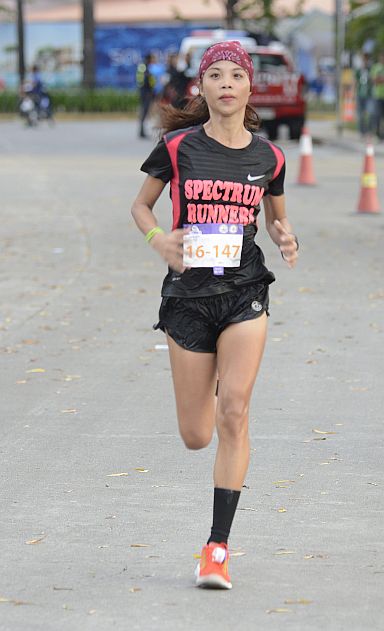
(256, 305)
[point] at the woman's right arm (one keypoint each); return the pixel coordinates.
(169, 246)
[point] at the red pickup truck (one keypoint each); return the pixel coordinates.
(278, 91)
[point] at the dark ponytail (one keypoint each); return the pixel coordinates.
(196, 113)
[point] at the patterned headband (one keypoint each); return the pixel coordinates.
(227, 51)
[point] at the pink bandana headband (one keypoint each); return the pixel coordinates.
(227, 51)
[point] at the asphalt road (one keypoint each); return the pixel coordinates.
(103, 509)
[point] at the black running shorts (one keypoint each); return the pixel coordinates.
(196, 323)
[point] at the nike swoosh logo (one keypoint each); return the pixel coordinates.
(252, 178)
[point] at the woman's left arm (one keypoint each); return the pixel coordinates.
(279, 228)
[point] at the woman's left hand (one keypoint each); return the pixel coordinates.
(287, 243)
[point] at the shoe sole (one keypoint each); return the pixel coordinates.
(213, 581)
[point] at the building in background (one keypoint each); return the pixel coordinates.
(126, 30)
(311, 40)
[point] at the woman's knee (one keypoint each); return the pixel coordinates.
(196, 439)
(232, 418)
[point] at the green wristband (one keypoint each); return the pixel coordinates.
(151, 233)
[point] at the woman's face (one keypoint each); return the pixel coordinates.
(226, 88)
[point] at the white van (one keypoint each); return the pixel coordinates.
(194, 46)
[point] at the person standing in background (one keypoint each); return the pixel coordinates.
(146, 83)
(377, 76)
(175, 88)
(159, 72)
(365, 103)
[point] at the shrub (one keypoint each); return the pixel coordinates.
(78, 100)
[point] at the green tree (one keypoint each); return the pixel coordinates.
(20, 38)
(264, 10)
(5, 9)
(16, 13)
(88, 45)
(368, 26)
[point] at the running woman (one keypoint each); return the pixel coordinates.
(215, 296)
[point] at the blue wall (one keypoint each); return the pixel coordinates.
(119, 48)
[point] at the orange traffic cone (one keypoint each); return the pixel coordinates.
(369, 201)
(306, 175)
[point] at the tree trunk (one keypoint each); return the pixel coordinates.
(231, 13)
(20, 40)
(88, 45)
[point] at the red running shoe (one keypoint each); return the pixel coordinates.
(212, 571)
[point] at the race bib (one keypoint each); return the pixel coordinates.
(215, 245)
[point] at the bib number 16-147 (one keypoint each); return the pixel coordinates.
(213, 245)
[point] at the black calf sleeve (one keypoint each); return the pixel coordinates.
(224, 508)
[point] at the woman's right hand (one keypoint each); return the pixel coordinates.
(170, 248)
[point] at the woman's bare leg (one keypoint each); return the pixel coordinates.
(194, 379)
(239, 351)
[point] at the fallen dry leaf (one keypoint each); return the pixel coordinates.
(280, 552)
(279, 610)
(319, 431)
(282, 510)
(32, 542)
(197, 556)
(141, 470)
(300, 601)
(140, 545)
(69, 411)
(134, 589)
(284, 482)
(35, 370)
(237, 554)
(117, 475)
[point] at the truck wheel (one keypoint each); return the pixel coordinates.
(295, 128)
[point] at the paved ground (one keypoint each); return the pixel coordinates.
(102, 507)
